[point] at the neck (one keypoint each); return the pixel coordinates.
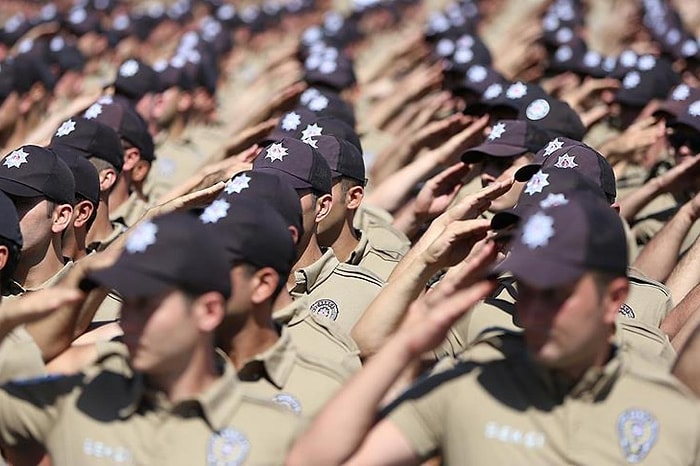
(248, 335)
(34, 269)
(177, 128)
(283, 299)
(102, 227)
(311, 253)
(120, 191)
(74, 245)
(598, 359)
(194, 376)
(345, 243)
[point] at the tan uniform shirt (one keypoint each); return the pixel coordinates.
(495, 410)
(118, 229)
(300, 382)
(655, 215)
(108, 415)
(497, 313)
(20, 357)
(337, 291)
(379, 250)
(314, 334)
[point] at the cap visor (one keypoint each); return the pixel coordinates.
(130, 283)
(15, 188)
(526, 172)
(538, 270)
(291, 180)
(504, 219)
(493, 150)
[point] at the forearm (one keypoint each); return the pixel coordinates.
(395, 189)
(632, 204)
(660, 255)
(686, 274)
(385, 313)
(683, 319)
(339, 429)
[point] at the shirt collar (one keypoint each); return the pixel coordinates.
(308, 278)
(17, 289)
(292, 313)
(359, 252)
(275, 363)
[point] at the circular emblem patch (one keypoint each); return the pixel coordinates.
(626, 311)
(537, 109)
(637, 430)
(228, 447)
(326, 308)
(288, 401)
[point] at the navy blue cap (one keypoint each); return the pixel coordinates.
(329, 126)
(9, 221)
(32, 171)
(91, 138)
(507, 138)
(302, 166)
(251, 232)
(135, 79)
(172, 251)
(269, 188)
(87, 180)
(343, 158)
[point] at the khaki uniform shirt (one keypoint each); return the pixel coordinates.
(497, 313)
(300, 382)
(505, 410)
(314, 334)
(108, 415)
(20, 357)
(130, 211)
(655, 215)
(379, 250)
(339, 292)
(117, 230)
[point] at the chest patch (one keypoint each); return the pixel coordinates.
(637, 431)
(227, 448)
(326, 308)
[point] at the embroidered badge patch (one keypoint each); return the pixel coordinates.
(516, 91)
(143, 236)
(66, 128)
(276, 152)
(238, 184)
(497, 131)
(493, 91)
(537, 183)
(553, 145)
(16, 159)
(681, 92)
(553, 200)
(477, 73)
(228, 447)
(288, 401)
(93, 111)
(566, 161)
(215, 211)
(694, 108)
(129, 68)
(626, 311)
(326, 308)
(538, 230)
(291, 121)
(637, 431)
(537, 109)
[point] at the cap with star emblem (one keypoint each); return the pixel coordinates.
(677, 101)
(689, 117)
(344, 159)
(251, 232)
(649, 81)
(555, 246)
(91, 139)
(87, 180)
(135, 79)
(328, 126)
(298, 163)
(148, 267)
(123, 119)
(290, 123)
(508, 138)
(9, 221)
(568, 154)
(266, 187)
(32, 171)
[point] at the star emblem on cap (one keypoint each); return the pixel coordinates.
(308, 95)
(673, 37)
(563, 53)
(310, 142)
(553, 200)
(291, 121)
(328, 66)
(632, 80)
(56, 44)
(276, 152)
(105, 100)
(237, 184)
(215, 211)
(537, 183)
(681, 92)
(445, 47)
(463, 56)
(493, 91)
(143, 236)
(16, 159)
(516, 91)
(628, 58)
(689, 48)
(564, 35)
(497, 131)
(318, 103)
(553, 145)
(66, 128)
(129, 68)
(538, 230)
(694, 109)
(93, 111)
(477, 73)
(77, 16)
(311, 131)
(566, 161)
(646, 62)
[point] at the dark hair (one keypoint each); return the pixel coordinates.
(8, 271)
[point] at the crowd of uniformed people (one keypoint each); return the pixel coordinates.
(367, 232)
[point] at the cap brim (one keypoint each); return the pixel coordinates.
(505, 219)
(526, 172)
(291, 180)
(539, 270)
(15, 188)
(478, 153)
(129, 282)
